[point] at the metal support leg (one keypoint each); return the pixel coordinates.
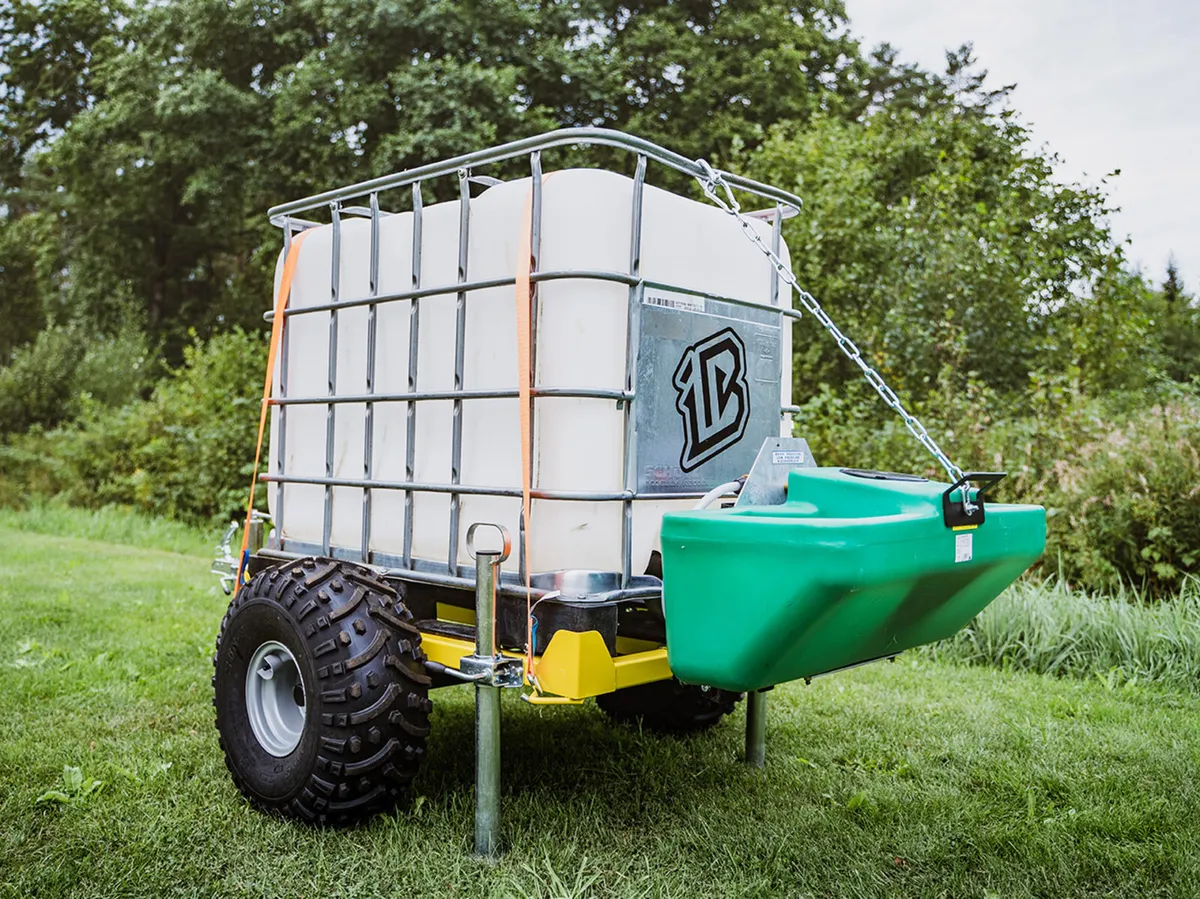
(756, 728)
(487, 698)
(487, 770)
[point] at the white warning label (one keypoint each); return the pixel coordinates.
(787, 457)
(963, 548)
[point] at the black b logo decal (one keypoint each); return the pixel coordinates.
(713, 399)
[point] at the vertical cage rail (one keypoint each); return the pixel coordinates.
(414, 329)
(632, 327)
(369, 408)
(776, 246)
(281, 387)
(460, 339)
(535, 255)
(335, 279)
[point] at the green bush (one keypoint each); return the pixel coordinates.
(65, 370)
(979, 428)
(114, 370)
(35, 388)
(1127, 508)
(186, 452)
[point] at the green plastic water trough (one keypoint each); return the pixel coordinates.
(846, 570)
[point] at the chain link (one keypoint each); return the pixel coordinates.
(711, 183)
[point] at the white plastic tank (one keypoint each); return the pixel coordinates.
(582, 341)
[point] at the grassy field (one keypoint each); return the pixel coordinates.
(920, 778)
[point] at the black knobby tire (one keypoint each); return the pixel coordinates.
(365, 691)
(669, 705)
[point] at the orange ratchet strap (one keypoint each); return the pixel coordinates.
(281, 301)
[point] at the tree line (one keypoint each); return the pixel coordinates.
(141, 143)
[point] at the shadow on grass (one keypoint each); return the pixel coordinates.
(577, 757)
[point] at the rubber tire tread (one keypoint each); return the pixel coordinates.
(669, 706)
(370, 708)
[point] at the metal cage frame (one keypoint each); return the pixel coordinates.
(288, 216)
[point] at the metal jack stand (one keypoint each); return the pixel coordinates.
(756, 728)
(490, 671)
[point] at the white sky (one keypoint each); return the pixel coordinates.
(1106, 85)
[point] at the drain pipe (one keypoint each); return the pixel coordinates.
(732, 488)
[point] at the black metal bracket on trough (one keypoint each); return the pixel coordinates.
(967, 510)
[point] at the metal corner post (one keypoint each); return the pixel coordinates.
(535, 254)
(756, 728)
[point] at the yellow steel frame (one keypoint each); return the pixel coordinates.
(574, 665)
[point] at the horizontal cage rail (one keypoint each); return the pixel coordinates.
(427, 571)
(448, 289)
(564, 137)
(453, 289)
(592, 393)
(468, 490)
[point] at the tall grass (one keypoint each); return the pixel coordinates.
(1050, 628)
(110, 524)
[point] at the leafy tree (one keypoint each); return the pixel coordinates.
(49, 54)
(22, 292)
(708, 78)
(51, 51)
(1180, 327)
(150, 138)
(940, 239)
(1172, 289)
(65, 369)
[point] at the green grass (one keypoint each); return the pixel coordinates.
(1049, 628)
(111, 524)
(920, 778)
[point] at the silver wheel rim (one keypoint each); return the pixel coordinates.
(275, 698)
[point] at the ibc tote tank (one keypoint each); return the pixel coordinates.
(699, 416)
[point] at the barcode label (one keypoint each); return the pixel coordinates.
(688, 304)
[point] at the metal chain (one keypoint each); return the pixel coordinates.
(711, 182)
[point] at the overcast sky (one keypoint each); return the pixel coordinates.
(1106, 85)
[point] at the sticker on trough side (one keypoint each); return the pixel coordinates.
(963, 547)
